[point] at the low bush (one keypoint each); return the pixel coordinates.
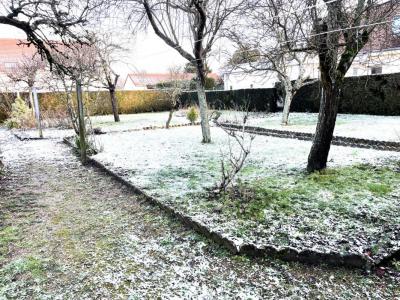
(192, 114)
(21, 115)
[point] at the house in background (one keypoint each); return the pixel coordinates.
(148, 81)
(12, 51)
(380, 56)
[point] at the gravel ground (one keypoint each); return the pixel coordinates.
(70, 232)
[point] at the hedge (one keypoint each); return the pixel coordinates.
(98, 103)
(256, 99)
(373, 95)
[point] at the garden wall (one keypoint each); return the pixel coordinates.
(257, 99)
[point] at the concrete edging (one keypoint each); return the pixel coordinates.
(337, 140)
(23, 137)
(151, 128)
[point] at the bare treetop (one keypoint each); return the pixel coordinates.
(27, 70)
(187, 25)
(49, 23)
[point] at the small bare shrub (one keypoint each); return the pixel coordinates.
(235, 160)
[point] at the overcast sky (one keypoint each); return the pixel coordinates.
(146, 52)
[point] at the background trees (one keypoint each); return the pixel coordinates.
(50, 23)
(27, 71)
(269, 37)
(107, 53)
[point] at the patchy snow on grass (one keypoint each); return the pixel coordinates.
(137, 121)
(71, 232)
(383, 128)
(352, 210)
(48, 133)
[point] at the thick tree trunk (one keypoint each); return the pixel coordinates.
(286, 107)
(318, 156)
(114, 104)
(171, 112)
(205, 126)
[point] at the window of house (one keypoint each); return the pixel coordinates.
(376, 70)
(396, 25)
(10, 65)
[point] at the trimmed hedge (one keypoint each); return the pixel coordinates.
(257, 99)
(98, 103)
(372, 95)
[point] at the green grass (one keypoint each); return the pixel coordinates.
(8, 235)
(28, 266)
(334, 190)
(379, 189)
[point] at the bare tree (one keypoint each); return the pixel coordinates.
(27, 70)
(108, 53)
(268, 39)
(173, 88)
(180, 23)
(342, 28)
(81, 61)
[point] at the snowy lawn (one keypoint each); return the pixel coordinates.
(137, 121)
(383, 128)
(107, 124)
(353, 207)
(72, 232)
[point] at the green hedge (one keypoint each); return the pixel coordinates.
(257, 99)
(97, 103)
(373, 95)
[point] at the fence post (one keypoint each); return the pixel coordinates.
(36, 107)
(81, 119)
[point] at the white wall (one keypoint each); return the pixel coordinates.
(130, 86)
(389, 60)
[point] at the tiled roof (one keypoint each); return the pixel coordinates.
(145, 79)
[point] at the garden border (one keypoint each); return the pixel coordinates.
(149, 128)
(308, 256)
(337, 140)
(22, 137)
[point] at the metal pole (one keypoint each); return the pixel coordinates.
(81, 118)
(37, 111)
